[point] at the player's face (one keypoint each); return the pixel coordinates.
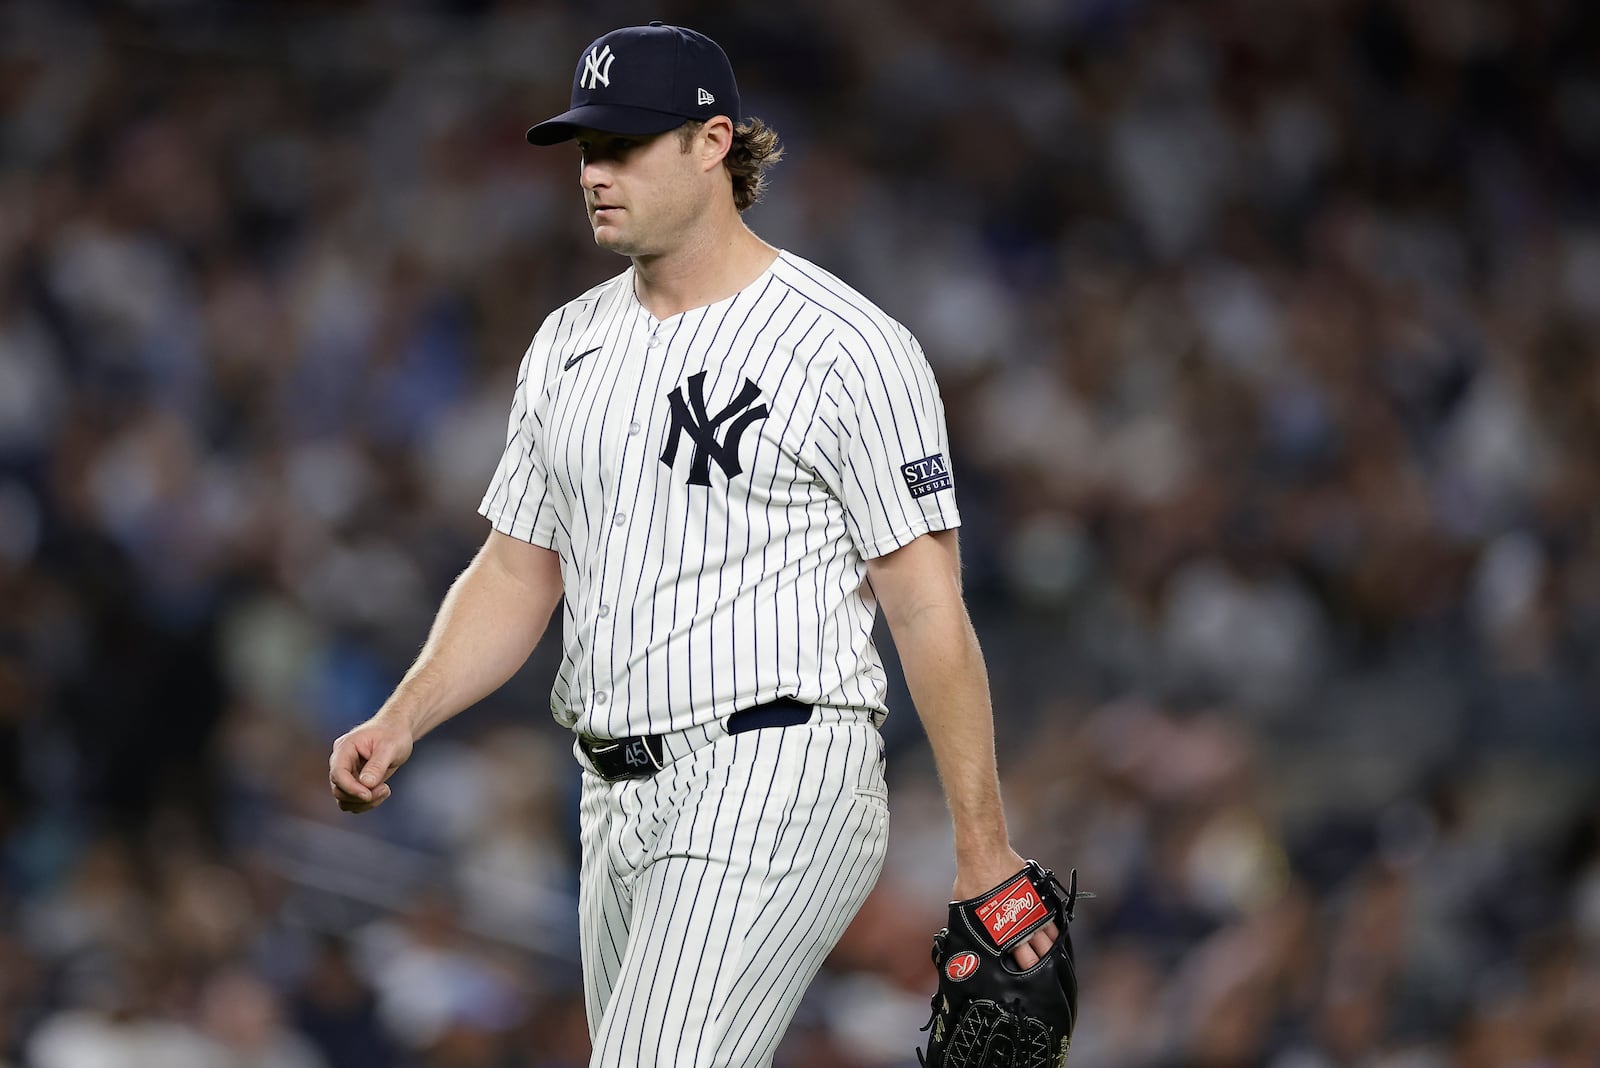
(643, 194)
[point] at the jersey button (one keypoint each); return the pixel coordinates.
(654, 342)
(605, 610)
(634, 428)
(621, 518)
(600, 697)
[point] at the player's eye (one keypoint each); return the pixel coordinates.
(609, 148)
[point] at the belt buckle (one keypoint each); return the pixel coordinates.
(638, 756)
(623, 758)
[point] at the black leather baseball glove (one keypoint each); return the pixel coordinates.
(987, 1013)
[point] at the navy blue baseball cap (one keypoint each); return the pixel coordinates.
(645, 80)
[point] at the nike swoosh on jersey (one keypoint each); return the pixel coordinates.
(572, 361)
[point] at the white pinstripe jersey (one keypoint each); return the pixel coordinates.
(714, 483)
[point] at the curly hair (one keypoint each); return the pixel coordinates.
(755, 148)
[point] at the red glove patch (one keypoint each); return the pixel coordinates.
(961, 965)
(1011, 908)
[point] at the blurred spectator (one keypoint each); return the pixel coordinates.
(243, 1018)
(115, 1018)
(336, 1009)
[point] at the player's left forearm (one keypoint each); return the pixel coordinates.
(919, 588)
(945, 672)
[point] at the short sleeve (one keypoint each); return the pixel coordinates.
(518, 501)
(883, 445)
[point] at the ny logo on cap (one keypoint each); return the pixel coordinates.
(597, 69)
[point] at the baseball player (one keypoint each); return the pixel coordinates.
(721, 461)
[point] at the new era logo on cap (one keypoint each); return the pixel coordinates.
(644, 80)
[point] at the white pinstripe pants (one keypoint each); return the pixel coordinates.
(711, 892)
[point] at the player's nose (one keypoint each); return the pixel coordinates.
(593, 174)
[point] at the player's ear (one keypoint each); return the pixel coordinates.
(715, 141)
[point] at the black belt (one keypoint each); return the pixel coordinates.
(640, 756)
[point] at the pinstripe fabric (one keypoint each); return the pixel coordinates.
(714, 484)
(684, 602)
(712, 892)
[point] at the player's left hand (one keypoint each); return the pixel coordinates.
(976, 876)
(985, 1011)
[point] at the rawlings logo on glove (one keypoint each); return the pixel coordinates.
(1014, 903)
(987, 1012)
(961, 965)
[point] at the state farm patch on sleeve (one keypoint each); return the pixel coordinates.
(1010, 909)
(927, 475)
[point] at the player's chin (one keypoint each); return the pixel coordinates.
(613, 239)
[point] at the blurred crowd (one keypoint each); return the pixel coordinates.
(1268, 332)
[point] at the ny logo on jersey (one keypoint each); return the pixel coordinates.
(597, 69)
(689, 417)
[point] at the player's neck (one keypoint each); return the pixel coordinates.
(716, 264)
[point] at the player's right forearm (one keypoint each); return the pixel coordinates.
(487, 625)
